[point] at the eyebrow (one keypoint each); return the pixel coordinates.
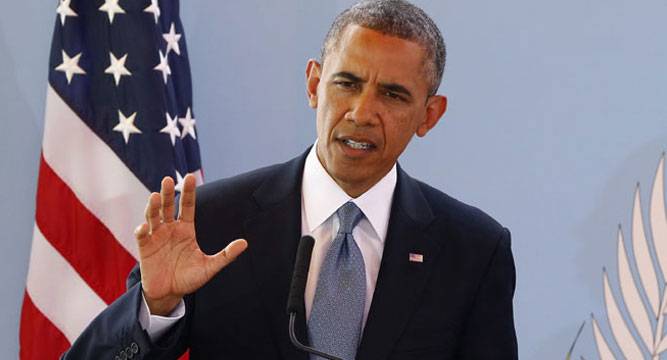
(397, 88)
(348, 75)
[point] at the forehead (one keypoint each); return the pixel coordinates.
(370, 53)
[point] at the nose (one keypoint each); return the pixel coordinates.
(365, 109)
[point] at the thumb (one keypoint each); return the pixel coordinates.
(225, 256)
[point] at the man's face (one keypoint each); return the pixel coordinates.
(371, 97)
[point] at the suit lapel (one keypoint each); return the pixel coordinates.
(273, 234)
(400, 281)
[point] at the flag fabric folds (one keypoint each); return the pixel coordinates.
(118, 118)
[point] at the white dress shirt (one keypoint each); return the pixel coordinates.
(320, 198)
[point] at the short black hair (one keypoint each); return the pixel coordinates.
(397, 18)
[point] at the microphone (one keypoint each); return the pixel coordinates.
(295, 302)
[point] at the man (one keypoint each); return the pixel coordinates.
(399, 271)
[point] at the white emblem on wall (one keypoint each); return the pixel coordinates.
(641, 277)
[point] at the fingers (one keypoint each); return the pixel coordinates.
(186, 211)
(153, 212)
(167, 199)
(141, 234)
(225, 256)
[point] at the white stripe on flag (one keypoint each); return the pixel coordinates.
(58, 291)
(199, 177)
(100, 180)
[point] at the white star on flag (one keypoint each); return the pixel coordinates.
(172, 39)
(70, 66)
(64, 10)
(171, 128)
(126, 125)
(117, 67)
(188, 124)
(153, 8)
(112, 8)
(179, 182)
(163, 66)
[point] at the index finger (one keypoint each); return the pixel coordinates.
(186, 210)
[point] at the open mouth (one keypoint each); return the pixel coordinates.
(358, 145)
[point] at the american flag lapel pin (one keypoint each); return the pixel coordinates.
(416, 258)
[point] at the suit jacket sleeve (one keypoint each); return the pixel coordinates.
(489, 332)
(117, 329)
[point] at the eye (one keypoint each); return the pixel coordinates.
(394, 96)
(344, 84)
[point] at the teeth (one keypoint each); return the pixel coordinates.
(357, 145)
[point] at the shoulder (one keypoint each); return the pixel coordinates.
(235, 188)
(266, 182)
(228, 201)
(463, 224)
(457, 212)
(471, 240)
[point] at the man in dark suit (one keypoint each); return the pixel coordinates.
(431, 278)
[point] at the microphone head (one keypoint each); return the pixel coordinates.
(295, 301)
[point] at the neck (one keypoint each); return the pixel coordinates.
(355, 190)
(352, 188)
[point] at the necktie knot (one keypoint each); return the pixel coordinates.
(349, 215)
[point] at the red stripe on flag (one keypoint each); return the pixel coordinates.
(38, 337)
(80, 237)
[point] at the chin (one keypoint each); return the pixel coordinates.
(350, 177)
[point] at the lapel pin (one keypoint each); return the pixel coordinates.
(417, 258)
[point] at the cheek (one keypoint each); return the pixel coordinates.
(410, 122)
(398, 134)
(325, 124)
(328, 117)
(321, 125)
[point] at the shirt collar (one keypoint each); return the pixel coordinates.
(321, 196)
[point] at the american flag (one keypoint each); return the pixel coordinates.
(417, 258)
(118, 118)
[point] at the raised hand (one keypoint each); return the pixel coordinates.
(172, 264)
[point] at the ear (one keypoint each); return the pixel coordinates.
(436, 106)
(313, 73)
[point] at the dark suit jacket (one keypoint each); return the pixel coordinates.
(457, 304)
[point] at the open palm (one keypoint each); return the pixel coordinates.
(172, 264)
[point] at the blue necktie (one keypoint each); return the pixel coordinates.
(338, 306)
